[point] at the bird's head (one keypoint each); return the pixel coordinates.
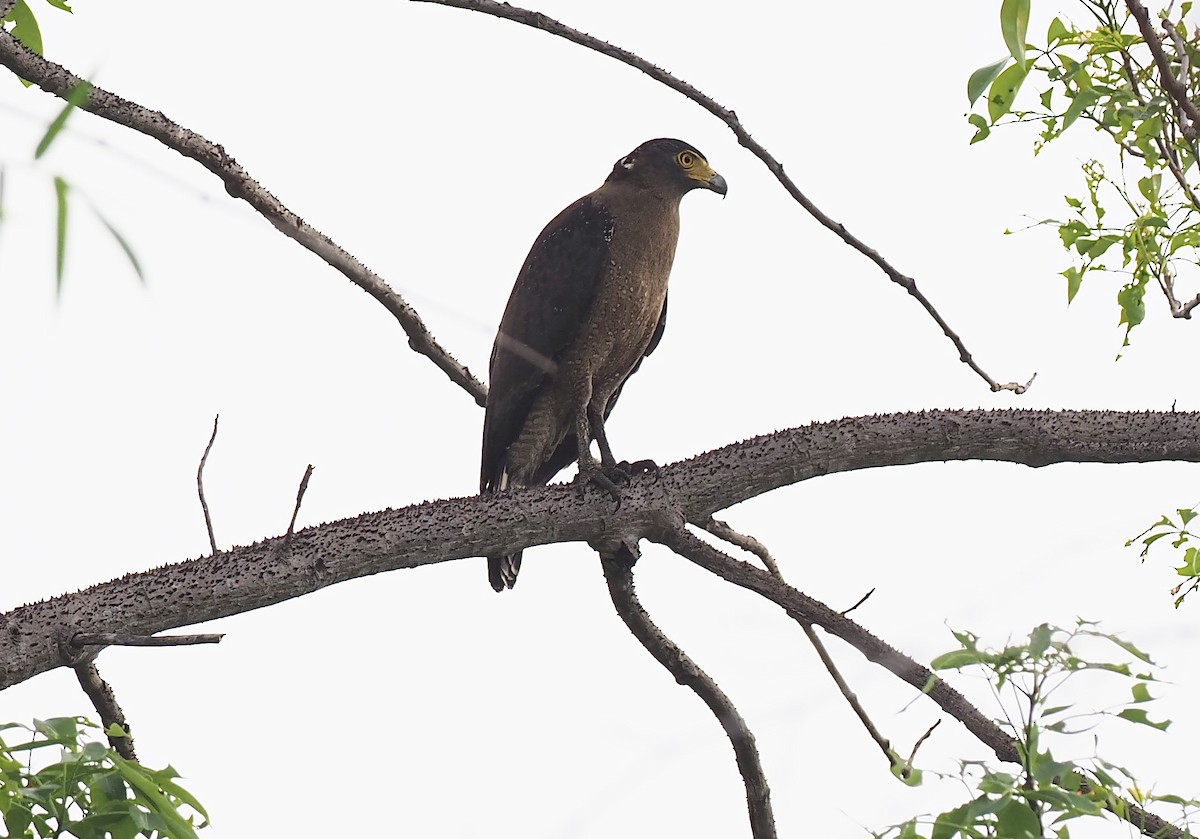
(667, 166)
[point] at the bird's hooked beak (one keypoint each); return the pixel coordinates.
(717, 184)
(707, 178)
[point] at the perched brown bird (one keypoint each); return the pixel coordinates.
(589, 304)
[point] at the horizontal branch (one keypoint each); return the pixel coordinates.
(55, 79)
(275, 570)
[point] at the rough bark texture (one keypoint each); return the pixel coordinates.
(279, 569)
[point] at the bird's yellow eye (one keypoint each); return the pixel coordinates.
(686, 159)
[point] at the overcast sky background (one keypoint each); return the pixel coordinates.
(434, 144)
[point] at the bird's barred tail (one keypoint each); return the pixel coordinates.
(502, 570)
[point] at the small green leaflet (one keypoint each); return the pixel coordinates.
(1004, 91)
(125, 246)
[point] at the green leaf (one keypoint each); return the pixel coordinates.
(1015, 821)
(125, 246)
(1149, 187)
(949, 823)
(61, 188)
(1047, 97)
(1004, 91)
(1133, 310)
(1014, 22)
(59, 4)
(1082, 100)
(957, 659)
(1191, 564)
(1139, 716)
(76, 97)
(983, 77)
(1039, 640)
(1074, 281)
(1187, 516)
(982, 125)
(1056, 32)
(1141, 693)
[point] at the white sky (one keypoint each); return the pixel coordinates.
(434, 144)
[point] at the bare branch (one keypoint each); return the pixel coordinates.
(1170, 84)
(540, 21)
(54, 79)
(618, 571)
(299, 498)
(212, 540)
(274, 570)
(722, 530)
(106, 706)
(807, 611)
(116, 639)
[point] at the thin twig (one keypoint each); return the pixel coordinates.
(299, 498)
(106, 706)
(913, 755)
(55, 79)
(540, 21)
(1170, 84)
(118, 639)
(857, 603)
(722, 530)
(212, 540)
(618, 572)
(851, 697)
(806, 610)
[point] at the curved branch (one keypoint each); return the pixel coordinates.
(275, 570)
(54, 79)
(618, 572)
(537, 20)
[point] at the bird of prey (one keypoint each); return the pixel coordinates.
(589, 303)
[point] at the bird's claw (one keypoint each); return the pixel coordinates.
(602, 478)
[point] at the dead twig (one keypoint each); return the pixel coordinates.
(540, 21)
(618, 572)
(118, 639)
(858, 603)
(212, 540)
(55, 79)
(299, 498)
(106, 706)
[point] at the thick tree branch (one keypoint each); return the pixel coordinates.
(275, 570)
(537, 20)
(618, 572)
(808, 611)
(54, 79)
